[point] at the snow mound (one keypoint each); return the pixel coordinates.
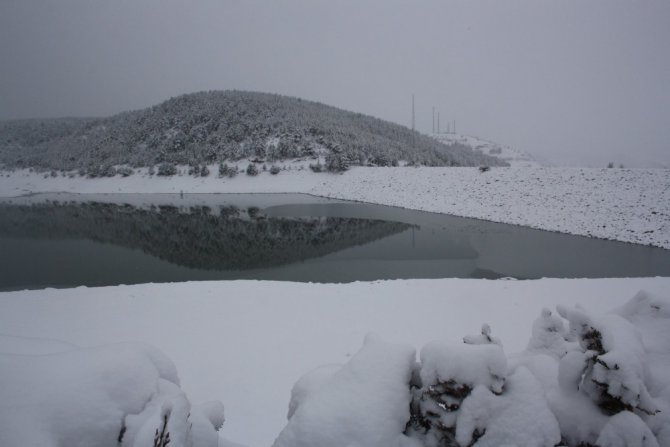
(116, 395)
(365, 403)
(306, 385)
(625, 429)
(521, 416)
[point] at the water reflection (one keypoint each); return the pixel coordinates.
(199, 237)
(70, 240)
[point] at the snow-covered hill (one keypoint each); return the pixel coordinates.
(508, 154)
(217, 126)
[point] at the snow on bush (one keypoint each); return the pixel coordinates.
(603, 382)
(448, 375)
(465, 364)
(585, 379)
(626, 429)
(364, 403)
(519, 416)
(117, 395)
(482, 338)
(615, 369)
(549, 335)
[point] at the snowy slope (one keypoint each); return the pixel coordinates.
(515, 158)
(629, 205)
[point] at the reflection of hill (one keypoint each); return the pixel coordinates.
(196, 239)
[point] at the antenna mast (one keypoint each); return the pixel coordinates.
(413, 111)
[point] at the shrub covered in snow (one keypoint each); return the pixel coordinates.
(124, 171)
(449, 374)
(118, 395)
(585, 379)
(337, 160)
(167, 169)
(252, 169)
(603, 382)
(316, 167)
(227, 171)
(615, 368)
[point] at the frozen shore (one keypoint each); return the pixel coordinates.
(629, 205)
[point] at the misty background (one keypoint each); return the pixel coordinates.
(572, 82)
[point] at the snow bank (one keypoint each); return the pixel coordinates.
(108, 396)
(630, 205)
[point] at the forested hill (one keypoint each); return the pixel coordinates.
(216, 126)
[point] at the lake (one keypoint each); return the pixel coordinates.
(67, 240)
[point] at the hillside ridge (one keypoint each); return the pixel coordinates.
(514, 157)
(218, 126)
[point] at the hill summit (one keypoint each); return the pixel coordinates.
(217, 126)
(510, 155)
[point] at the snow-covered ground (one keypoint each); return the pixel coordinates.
(630, 205)
(245, 343)
(515, 157)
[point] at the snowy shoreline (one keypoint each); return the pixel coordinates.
(627, 205)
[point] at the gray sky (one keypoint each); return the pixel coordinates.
(575, 82)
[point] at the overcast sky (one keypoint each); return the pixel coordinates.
(575, 82)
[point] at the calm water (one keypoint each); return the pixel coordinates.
(61, 240)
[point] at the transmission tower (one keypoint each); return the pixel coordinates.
(413, 122)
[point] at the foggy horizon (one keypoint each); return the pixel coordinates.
(568, 82)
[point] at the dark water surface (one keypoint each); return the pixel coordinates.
(65, 240)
